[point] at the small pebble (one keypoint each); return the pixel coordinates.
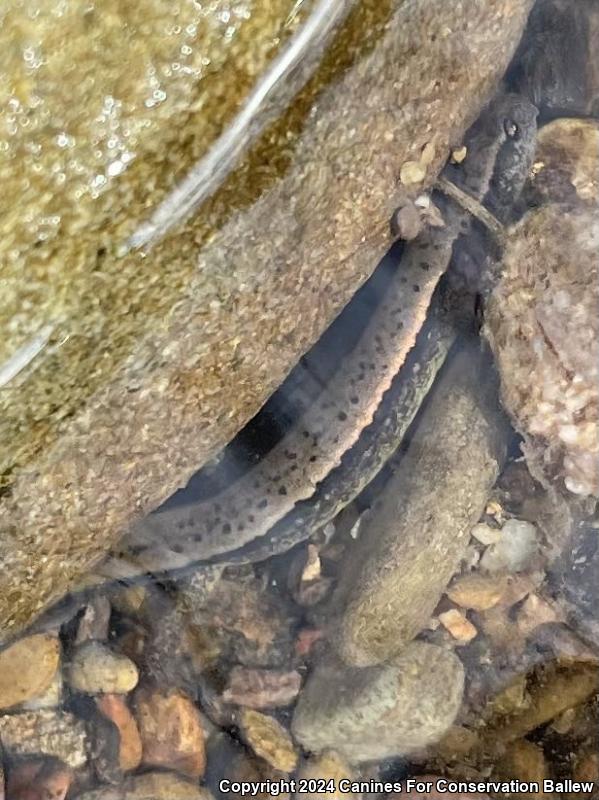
(28, 669)
(262, 688)
(428, 154)
(535, 611)
(171, 731)
(407, 222)
(485, 534)
(478, 592)
(412, 172)
(515, 551)
(459, 154)
(96, 669)
(95, 620)
(268, 739)
(454, 621)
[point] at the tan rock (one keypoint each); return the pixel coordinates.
(150, 786)
(40, 779)
(96, 669)
(268, 739)
(51, 698)
(115, 708)
(28, 669)
(476, 591)
(171, 731)
(458, 625)
(327, 768)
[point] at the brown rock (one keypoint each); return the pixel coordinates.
(567, 159)
(42, 779)
(242, 765)
(552, 691)
(238, 614)
(150, 786)
(428, 787)
(478, 592)
(586, 767)
(115, 708)
(524, 761)
(268, 739)
(171, 731)
(28, 669)
(262, 688)
(306, 640)
(45, 732)
(457, 743)
(536, 611)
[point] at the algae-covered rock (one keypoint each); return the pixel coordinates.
(149, 364)
(378, 712)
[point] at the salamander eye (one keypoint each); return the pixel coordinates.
(511, 129)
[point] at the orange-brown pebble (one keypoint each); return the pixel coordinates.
(116, 709)
(462, 630)
(171, 731)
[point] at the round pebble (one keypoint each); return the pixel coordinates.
(96, 669)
